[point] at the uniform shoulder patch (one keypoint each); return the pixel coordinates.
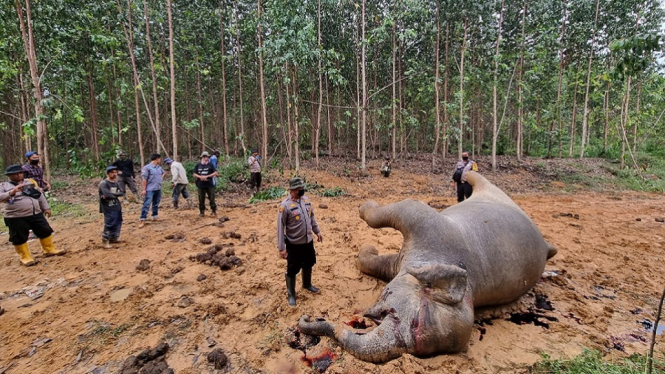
(281, 208)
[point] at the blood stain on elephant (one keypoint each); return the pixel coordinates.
(528, 317)
(320, 363)
(357, 323)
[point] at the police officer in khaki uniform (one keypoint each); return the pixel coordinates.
(295, 241)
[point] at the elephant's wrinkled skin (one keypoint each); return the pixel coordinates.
(484, 251)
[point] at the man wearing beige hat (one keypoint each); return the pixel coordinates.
(295, 242)
(204, 172)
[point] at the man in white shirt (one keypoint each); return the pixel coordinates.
(179, 182)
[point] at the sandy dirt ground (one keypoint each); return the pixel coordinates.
(88, 311)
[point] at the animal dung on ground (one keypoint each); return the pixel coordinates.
(205, 241)
(143, 265)
(231, 235)
(151, 361)
(176, 237)
(201, 277)
(217, 358)
(215, 256)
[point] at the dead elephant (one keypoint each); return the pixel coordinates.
(484, 251)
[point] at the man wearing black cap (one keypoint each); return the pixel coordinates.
(126, 173)
(25, 209)
(34, 171)
(109, 204)
(204, 172)
(295, 242)
(254, 162)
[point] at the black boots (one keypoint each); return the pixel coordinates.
(307, 280)
(291, 289)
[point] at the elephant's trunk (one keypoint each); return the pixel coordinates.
(382, 344)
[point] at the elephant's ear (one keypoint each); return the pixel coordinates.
(444, 283)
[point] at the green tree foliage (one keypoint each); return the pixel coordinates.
(90, 111)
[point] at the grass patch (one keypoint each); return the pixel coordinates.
(64, 209)
(271, 193)
(591, 362)
(59, 185)
(610, 176)
(333, 192)
(101, 332)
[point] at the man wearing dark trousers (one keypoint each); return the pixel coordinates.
(295, 242)
(26, 209)
(464, 189)
(109, 204)
(126, 173)
(204, 173)
(254, 162)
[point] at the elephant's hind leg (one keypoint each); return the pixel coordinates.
(383, 267)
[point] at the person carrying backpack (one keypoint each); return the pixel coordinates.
(464, 189)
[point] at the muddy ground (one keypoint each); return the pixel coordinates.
(88, 311)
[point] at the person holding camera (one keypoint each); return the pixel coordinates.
(254, 162)
(25, 208)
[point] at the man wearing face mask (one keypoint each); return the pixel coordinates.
(34, 171)
(295, 242)
(464, 189)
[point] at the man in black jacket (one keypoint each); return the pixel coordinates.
(125, 167)
(109, 204)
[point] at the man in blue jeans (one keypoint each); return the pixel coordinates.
(151, 184)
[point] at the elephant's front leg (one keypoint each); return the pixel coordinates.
(384, 267)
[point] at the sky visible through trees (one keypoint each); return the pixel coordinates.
(80, 80)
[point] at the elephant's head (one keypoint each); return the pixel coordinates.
(425, 309)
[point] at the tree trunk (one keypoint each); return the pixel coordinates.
(394, 103)
(130, 47)
(444, 149)
(558, 93)
(240, 101)
(495, 112)
(437, 118)
(520, 103)
(574, 119)
(585, 113)
(152, 72)
(224, 115)
(606, 110)
(624, 123)
(31, 55)
(363, 137)
(295, 117)
(200, 100)
(318, 112)
(289, 148)
(637, 114)
(263, 93)
(461, 90)
(94, 128)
